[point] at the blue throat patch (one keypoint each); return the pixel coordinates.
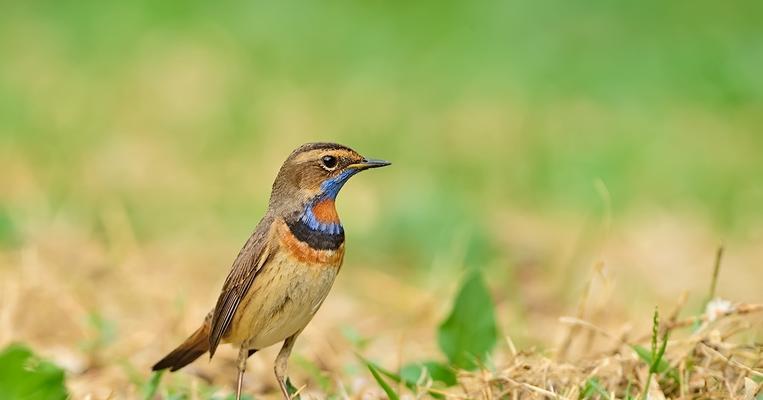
(329, 190)
(308, 218)
(330, 187)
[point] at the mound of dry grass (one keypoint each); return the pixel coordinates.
(701, 360)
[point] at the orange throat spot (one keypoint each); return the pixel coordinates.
(325, 212)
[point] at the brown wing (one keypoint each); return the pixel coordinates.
(248, 264)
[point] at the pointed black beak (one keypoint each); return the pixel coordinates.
(369, 163)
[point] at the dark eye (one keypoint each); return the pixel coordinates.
(329, 162)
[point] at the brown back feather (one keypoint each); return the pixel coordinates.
(250, 260)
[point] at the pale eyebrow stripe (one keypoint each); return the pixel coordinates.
(313, 154)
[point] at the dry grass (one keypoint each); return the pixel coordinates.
(706, 360)
(105, 309)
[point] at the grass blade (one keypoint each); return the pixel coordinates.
(384, 385)
(150, 388)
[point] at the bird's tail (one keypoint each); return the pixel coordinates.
(191, 349)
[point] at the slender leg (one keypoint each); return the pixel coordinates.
(243, 354)
(282, 361)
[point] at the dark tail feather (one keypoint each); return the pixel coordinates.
(191, 349)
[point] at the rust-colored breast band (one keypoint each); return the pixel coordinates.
(302, 251)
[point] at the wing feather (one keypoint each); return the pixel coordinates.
(247, 265)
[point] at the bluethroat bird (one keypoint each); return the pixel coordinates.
(285, 270)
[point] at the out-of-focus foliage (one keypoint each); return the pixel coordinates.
(382, 382)
(179, 109)
(412, 373)
(466, 337)
(23, 376)
(469, 333)
(152, 385)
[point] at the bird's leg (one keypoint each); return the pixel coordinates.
(243, 354)
(281, 364)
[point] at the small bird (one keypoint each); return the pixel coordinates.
(287, 267)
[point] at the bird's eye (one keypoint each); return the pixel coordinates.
(329, 162)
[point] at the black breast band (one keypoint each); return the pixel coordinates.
(316, 239)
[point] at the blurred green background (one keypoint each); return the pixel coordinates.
(181, 112)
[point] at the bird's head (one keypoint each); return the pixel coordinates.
(312, 176)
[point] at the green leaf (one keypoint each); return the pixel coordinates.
(627, 395)
(658, 360)
(150, 387)
(384, 385)
(661, 367)
(292, 390)
(231, 396)
(389, 374)
(646, 355)
(469, 333)
(411, 373)
(24, 376)
(593, 388)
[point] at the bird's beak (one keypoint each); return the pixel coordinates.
(369, 163)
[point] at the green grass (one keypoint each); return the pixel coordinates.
(655, 358)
